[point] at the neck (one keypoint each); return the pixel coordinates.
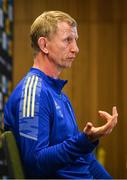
(42, 63)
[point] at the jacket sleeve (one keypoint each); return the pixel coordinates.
(56, 156)
(35, 139)
(96, 169)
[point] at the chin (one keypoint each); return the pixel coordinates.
(70, 66)
(67, 66)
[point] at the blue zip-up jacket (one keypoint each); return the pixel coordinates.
(43, 122)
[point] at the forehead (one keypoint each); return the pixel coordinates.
(64, 27)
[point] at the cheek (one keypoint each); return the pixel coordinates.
(61, 52)
(65, 50)
(58, 51)
(53, 51)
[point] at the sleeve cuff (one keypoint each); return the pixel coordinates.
(86, 145)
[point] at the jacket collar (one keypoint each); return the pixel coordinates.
(56, 84)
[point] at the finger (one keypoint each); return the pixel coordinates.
(114, 114)
(104, 115)
(114, 111)
(111, 123)
(115, 118)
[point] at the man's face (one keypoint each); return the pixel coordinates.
(62, 46)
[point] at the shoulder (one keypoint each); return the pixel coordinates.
(27, 88)
(34, 96)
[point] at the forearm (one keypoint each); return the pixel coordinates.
(54, 157)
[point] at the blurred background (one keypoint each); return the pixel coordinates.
(98, 77)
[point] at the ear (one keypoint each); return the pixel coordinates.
(42, 44)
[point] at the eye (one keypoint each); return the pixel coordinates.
(68, 40)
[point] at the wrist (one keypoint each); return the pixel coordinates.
(91, 138)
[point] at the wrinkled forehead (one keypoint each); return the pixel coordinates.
(65, 27)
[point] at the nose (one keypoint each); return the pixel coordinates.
(74, 47)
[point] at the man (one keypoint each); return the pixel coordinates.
(40, 114)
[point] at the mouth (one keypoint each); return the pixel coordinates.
(72, 57)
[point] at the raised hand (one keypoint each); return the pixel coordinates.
(95, 133)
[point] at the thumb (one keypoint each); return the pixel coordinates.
(88, 127)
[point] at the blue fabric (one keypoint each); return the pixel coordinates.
(44, 124)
